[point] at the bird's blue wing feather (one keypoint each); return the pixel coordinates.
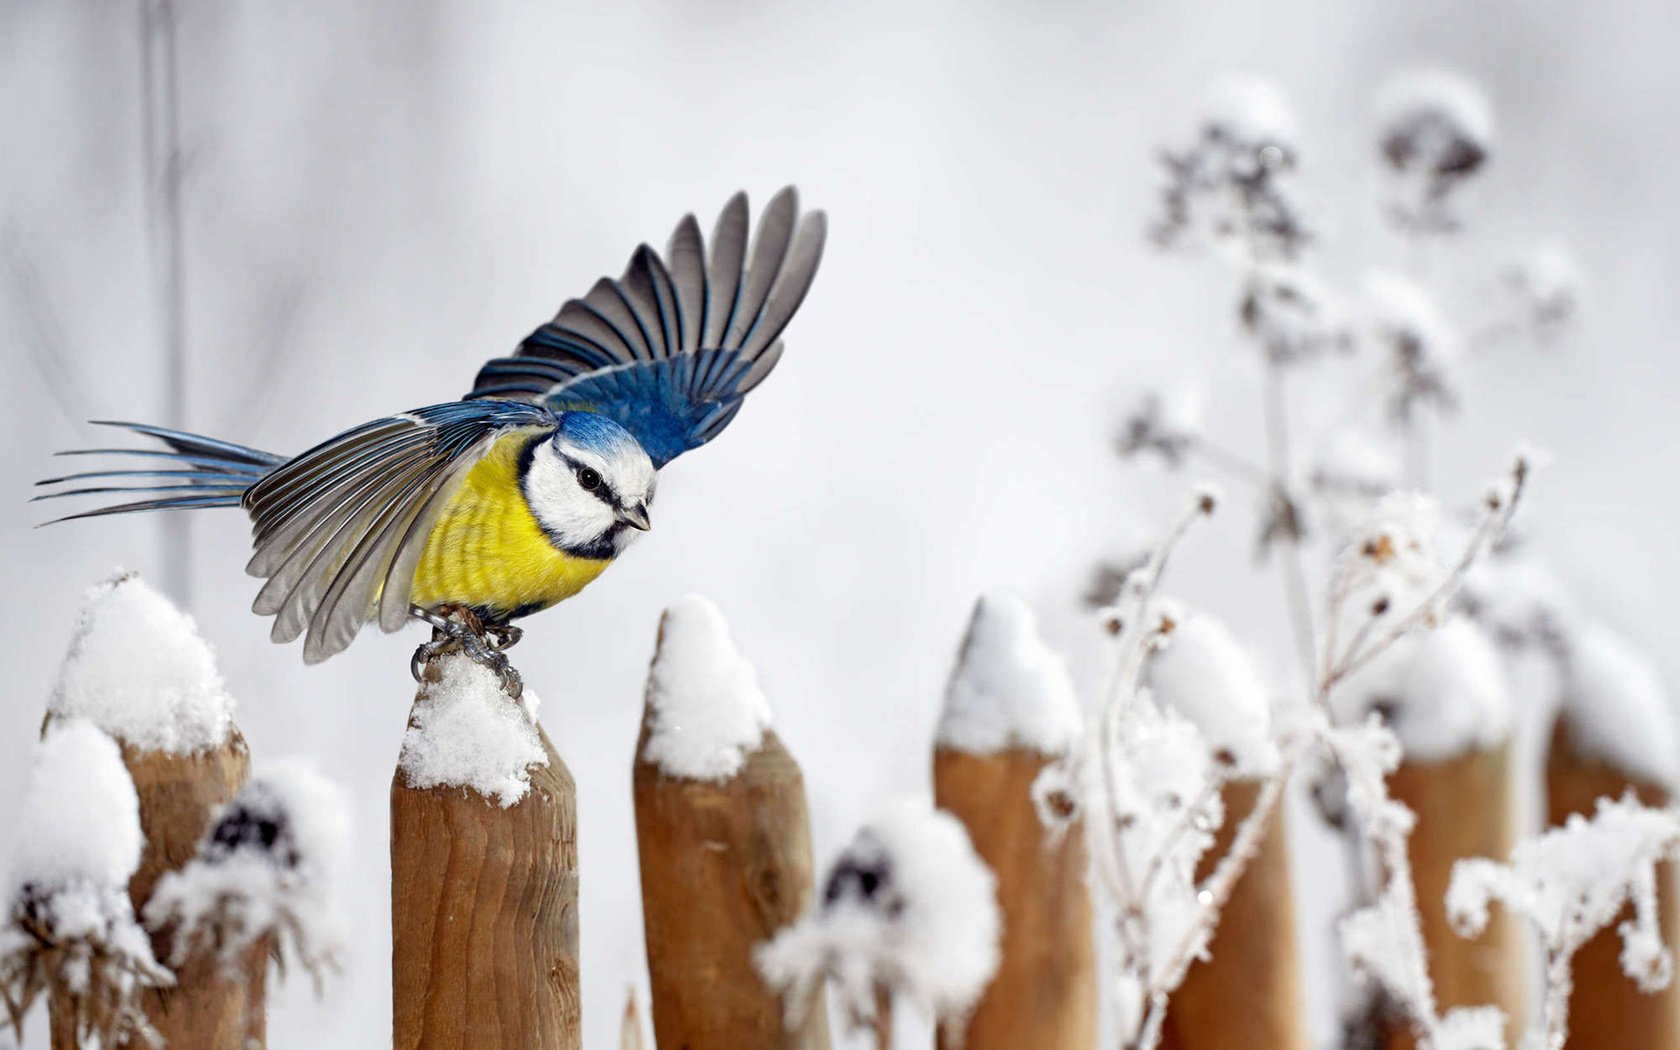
(669, 350)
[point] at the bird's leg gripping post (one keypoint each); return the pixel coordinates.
(457, 628)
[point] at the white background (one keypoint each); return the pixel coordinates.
(432, 179)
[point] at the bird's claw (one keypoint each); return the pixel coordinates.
(485, 649)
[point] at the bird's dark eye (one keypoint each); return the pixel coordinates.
(589, 479)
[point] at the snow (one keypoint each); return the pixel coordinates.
(80, 818)
(466, 732)
(1206, 675)
(1618, 709)
(78, 842)
(706, 711)
(137, 668)
(1471, 1028)
(1443, 691)
(909, 905)
(267, 865)
(1008, 689)
(1251, 110)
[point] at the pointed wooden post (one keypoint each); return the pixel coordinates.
(724, 841)
(484, 873)
(1247, 992)
(1465, 807)
(138, 669)
(1615, 733)
(1009, 710)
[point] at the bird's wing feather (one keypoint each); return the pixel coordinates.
(339, 530)
(671, 348)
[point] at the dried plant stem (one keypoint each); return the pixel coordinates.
(164, 168)
(1290, 562)
(1135, 636)
(1233, 464)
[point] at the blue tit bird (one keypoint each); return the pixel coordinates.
(471, 514)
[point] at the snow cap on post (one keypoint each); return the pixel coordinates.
(706, 713)
(1008, 689)
(909, 907)
(138, 669)
(1617, 708)
(68, 925)
(1443, 691)
(1205, 675)
(467, 732)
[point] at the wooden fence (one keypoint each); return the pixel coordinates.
(485, 899)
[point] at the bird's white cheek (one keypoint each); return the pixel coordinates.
(560, 507)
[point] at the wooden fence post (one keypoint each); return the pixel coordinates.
(1009, 709)
(484, 873)
(1044, 994)
(724, 841)
(1465, 807)
(1615, 733)
(1248, 991)
(138, 669)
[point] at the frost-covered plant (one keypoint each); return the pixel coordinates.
(1183, 714)
(1434, 132)
(907, 908)
(264, 874)
(1571, 883)
(69, 929)
(1231, 187)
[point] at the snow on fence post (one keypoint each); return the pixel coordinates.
(484, 872)
(1444, 694)
(1248, 991)
(138, 670)
(1010, 709)
(724, 840)
(1615, 732)
(68, 929)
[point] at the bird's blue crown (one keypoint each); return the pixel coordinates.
(597, 433)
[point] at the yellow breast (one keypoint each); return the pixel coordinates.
(487, 550)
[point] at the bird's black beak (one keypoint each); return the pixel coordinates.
(636, 516)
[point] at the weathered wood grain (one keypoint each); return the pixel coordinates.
(1045, 994)
(1248, 992)
(724, 866)
(484, 919)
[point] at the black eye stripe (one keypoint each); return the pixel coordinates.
(602, 492)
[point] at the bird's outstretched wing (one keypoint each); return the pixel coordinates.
(670, 349)
(340, 529)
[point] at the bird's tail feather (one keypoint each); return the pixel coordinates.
(197, 471)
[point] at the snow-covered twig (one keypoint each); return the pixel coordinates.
(1571, 883)
(907, 908)
(263, 874)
